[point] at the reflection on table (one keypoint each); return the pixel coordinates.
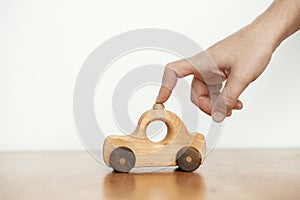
(155, 185)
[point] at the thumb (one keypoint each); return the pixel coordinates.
(228, 98)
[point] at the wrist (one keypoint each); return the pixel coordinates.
(278, 22)
(266, 36)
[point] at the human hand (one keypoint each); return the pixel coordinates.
(238, 59)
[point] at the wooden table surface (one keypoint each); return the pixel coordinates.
(226, 174)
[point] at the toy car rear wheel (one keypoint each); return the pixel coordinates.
(122, 159)
(188, 159)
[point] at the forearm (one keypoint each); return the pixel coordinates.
(278, 22)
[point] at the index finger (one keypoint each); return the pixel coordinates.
(174, 70)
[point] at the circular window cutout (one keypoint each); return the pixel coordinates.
(157, 131)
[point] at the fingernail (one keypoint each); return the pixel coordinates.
(218, 117)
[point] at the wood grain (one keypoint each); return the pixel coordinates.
(188, 159)
(122, 159)
(227, 174)
(163, 153)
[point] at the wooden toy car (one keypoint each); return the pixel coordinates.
(178, 148)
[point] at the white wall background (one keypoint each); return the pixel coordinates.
(44, 43)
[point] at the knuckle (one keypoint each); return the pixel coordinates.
(226, 102)
(171, 68)
(230, 102)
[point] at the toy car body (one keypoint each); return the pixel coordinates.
(179, 147)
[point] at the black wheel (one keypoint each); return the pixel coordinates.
(122, 159)
(188, 159)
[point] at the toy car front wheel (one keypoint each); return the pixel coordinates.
(122, 159)
(188, 159)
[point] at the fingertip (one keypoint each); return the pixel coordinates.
(239, 105)
(218, 116)
(163, 95)
(229, 113)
